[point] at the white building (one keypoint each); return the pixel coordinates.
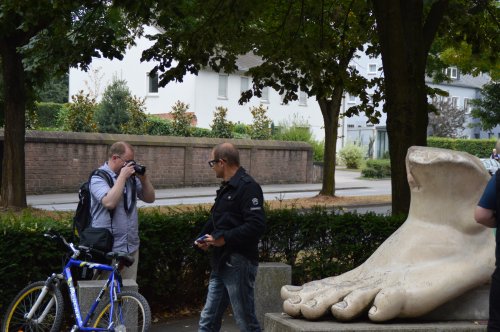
(208, 90)
(203, 93)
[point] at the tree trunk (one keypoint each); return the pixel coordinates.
(330, 110)
(404, 55)
(13, 191)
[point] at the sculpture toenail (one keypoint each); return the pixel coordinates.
(341, 305)
(311, 303)
(373, 310)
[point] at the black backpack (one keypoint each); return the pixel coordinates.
(82, 218)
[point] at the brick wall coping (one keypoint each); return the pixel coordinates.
(108, 139)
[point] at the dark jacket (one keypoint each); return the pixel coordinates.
(238, 215)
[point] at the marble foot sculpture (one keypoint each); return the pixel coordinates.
(439, 253)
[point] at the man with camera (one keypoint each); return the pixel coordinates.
(115, 207)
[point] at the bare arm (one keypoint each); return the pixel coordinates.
(148, 191)
(485, 217)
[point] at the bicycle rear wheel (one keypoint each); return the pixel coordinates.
(47, 317)
(131, 311)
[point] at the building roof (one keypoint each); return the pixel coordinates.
(465, 81)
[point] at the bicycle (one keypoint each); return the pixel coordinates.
(40, 305)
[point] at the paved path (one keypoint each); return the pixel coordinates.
(348, 183)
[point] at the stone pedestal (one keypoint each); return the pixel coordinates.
(89, 289)
(468, 312)
(270, 278)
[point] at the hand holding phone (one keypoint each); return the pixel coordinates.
(201, 239)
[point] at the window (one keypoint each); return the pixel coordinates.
(372, 68)
(352, 99)
(452, 72)
(467, 105)
(244, 84)
(153, 83)
(265, 95)
(454, 101)
(222, 94)
(302, 98)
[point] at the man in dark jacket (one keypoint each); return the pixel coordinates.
(231, 235)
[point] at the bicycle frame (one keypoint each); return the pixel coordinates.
(54, 280)
(114, 291)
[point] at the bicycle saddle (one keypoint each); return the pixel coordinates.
(122, 257)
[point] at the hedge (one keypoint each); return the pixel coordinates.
(172, 274)
(480, 148)
(47, 113)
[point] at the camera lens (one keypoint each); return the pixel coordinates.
(139, 169)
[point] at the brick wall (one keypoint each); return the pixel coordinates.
(58, 162)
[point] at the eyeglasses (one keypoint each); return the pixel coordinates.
(125, 161)
(212, 163)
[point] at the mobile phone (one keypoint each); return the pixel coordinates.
(201, 239)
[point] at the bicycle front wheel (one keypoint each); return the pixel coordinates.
(48, 315)
(131, 311)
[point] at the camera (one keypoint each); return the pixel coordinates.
(138, 168)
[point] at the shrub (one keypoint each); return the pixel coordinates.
(138, 124)
(47, 113)
(318, 150)
(113, 112)
(79, 115)
(261, 126)
(220, 126)
(480, 148)
(159, 127)
(377, 168)
(351, 155)
(181, 123)
(317, 243)
(201, 132)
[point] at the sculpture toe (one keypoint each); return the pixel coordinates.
(354, 304)
(387, 304)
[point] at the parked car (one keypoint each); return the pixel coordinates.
(491, 165)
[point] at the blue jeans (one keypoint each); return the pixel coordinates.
(233, 283)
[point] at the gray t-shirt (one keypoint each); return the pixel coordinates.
(125, 225)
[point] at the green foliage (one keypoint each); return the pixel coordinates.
(181, 123)
(159, 127)
(316, 243)
(47, 113)
(221, 127)
(318, 150)
(294, 129)
(113, 112)
(480, 148)
(201, 132)
(487, 108)
(241, 128)
(261, 126)
(79, 115)
(351, 155)
(138, 123)
(377, 168)
(54, 90)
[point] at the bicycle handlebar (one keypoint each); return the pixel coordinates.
(123, 257)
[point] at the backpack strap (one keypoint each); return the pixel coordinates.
(105, 175)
